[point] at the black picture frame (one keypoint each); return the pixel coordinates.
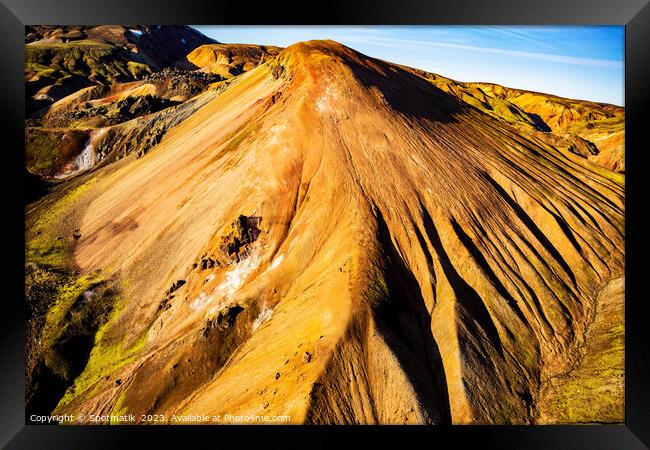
(634, 14)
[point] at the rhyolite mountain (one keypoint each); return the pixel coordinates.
(324, 235)
(62, 59)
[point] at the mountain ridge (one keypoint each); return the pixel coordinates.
(465, 257)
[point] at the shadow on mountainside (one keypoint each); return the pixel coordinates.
(467, 299)
(407, 93)
(405, 324)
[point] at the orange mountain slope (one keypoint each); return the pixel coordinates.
(335, 239)
(230, 59)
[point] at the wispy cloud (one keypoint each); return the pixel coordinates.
(409, 43)
(571, 61)
(521, 36)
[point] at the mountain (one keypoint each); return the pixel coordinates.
(593, 130)
(599, 123)
(336, 239)
(231, 59)
(59, 60)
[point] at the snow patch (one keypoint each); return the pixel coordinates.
(87, 158)
(276, 262)
(265, 315)
(324, 103)
(233, 280)
(275, 131)
(85, 298)
(236, 277)
(200, 301)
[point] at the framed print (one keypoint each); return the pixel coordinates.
(368, 220)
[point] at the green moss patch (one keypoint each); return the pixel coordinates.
(593, 392)
(85, 58)
(72, 321)
(45, 246)
(106, 357)
(64, 309)
(377, 290)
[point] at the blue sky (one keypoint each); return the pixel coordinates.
(583, 62)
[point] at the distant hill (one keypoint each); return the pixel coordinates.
(59, 60)
(231, 59)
